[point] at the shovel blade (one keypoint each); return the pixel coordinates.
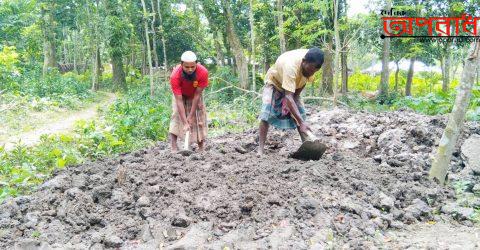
(310, 150)
(185, 152)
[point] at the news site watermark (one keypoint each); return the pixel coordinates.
(462, 29)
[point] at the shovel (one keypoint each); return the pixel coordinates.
(186, 145)
(311, 149)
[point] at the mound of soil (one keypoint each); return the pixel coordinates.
(372, 178)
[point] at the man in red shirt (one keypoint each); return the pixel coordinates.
(187, 83)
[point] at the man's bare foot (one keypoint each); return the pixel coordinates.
(260, 152)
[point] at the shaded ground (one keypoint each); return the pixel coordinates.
(372, 179)
(59, 125)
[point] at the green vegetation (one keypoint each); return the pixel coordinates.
(467, 199)
(135, 120)
(428, 96)
(429, 104)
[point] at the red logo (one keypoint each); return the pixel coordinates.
(436, 27)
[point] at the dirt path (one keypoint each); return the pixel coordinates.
(60, 126)
(440, 235)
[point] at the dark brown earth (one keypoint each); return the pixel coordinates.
(371, 180)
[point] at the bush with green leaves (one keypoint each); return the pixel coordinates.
(8, 67)
(440, 103)
(430, 104)
(422, 83)
(54, 84)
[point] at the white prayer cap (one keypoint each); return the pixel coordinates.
(188, 56)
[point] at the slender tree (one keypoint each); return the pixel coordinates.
(281, 31)
(117, 29)
(48, 29)
(456, 118)
(252, 44)
(327, 69)
(384, 81)
(149, 52)
(408, 86)
(237, 47)
(337, 51)
(161, 30)
(154, 35)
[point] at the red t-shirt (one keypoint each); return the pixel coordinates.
(182, 86)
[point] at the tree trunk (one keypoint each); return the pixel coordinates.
(252, 44)
(130, 61)
(443, 155)
(96, 60)
(96, 69)
(446, 71)
(64, 47)
(99, 65)
(144, 56)
(132, 56)
(220, 57)
(86, 60)
(454, 71)
(116, 51)
(327, 70)
(384, 81)
(397, 70)
(149, 53)
(162, 32)
(408, 86)
(344, 72)
(337, 69)
(266, 62)
(442, 67)
(154, 41)
(281, 31)
(235, 44)
(118, 73)
(228, 52)
(75, 52)
(49, 57)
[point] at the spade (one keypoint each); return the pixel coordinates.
(311, 149)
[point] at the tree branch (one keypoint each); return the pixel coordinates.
(258, 95)
(323, 99)
(216, 91)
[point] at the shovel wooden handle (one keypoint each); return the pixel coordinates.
(186, 144)
(310, 136)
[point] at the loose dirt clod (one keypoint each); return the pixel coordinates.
(371, 179)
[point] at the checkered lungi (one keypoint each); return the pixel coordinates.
(275, 110)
